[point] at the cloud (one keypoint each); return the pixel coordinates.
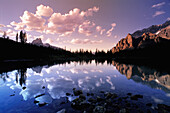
(1, 25)
(44, 10)
(49, 40)
(1, 32)
(46, 21)
(90, 11)
(157, 13)
(30, 22)
(86, 28)
(64, 24)
(11, 33)
(18, 26)
(168, 18)
(33, 22)
(85, 41)
(109, 32)
(67, 23)
(158, 5)
(99, 29)
(9, 26)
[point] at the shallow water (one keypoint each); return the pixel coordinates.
(19, 88)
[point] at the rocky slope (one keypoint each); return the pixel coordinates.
(146, 40)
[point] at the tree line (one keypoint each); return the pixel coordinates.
(21, 37)
(89, 54)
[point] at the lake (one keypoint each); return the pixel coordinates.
(49, 88)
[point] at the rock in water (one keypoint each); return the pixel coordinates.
(77, 92)
(99, 109)
(61, 111)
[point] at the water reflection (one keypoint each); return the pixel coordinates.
(47, 83)
(145, 75)
(20, 76)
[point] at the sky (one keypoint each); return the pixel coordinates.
(80, 24)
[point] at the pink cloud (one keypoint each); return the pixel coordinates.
(90, 11)
(57, 23)
(1, 25)
(11, 33)
(99, 29)
(44, 10)
(102, 31)
(30, 22)
(33, 22)
(158, 5)
(109, 32)
(18, 26)
(85, 41)
(157, 13)
(65, 24)
(86, 28)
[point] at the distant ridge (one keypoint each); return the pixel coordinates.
(151, 29)
(147, 43)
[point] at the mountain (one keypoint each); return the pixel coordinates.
(151, 29)
(155, 40)
(164, 33)
(39, 42)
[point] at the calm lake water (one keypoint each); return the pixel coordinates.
(19, 89)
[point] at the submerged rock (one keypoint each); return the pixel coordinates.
(135, 97)
(42, 104)
(68, 94)
(149, 104)
(12, 95)
(77, 92)
(163, 108)
(92, 100)
(123, 110)
(61, 111)
(24, 88)
(82, 97)
(129, 94)
(99, 109)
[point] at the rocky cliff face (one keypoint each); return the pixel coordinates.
(164, 33)
(125, 43)
(151, 38)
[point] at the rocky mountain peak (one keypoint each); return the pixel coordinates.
(144, 38)
(37, 41)
(151, 29)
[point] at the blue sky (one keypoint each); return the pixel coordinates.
(76, 24)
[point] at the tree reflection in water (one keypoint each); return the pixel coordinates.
(20, 76)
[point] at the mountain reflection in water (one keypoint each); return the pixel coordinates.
(145, 75)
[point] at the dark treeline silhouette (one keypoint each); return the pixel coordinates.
(85, 54)
(21, 50)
